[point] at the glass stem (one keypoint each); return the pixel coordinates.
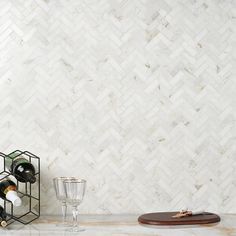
(75, 216)
(64, 211)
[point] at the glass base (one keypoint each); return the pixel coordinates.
(74, 230)
(63, 225)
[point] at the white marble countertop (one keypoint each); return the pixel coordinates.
(119, 225)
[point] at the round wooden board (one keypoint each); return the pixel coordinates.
(165, 218)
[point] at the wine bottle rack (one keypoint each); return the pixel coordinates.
(29, 193)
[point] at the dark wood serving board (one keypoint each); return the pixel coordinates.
(165, 218)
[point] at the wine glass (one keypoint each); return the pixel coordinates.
(61, 196)
(75, 190)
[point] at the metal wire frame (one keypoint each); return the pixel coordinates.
(29, 215)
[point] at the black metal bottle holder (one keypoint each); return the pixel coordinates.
(29, 193)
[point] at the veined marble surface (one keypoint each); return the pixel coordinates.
(119, 225)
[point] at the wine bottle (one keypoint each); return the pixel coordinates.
(20, 167)
(8, 191)
(3, 217)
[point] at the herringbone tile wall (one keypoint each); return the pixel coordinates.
(138, 97)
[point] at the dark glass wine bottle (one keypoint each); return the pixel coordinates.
(3, 217)
(21, 168)
(8, 191)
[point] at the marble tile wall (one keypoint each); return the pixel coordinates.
(137, 97)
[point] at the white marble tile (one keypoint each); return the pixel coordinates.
(137, 97)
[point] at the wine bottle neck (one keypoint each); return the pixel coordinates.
(14, 198)
(9, 188)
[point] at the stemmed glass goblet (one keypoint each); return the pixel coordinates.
(75, 190)
(58, 183)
